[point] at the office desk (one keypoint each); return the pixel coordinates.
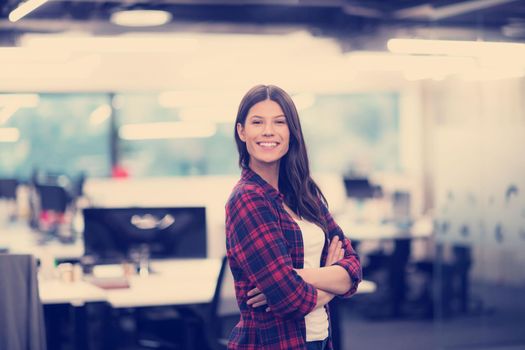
(76, 294)
(366, 287)
(360, 231)
(402, 236)
(174, 282)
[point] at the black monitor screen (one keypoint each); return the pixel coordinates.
(112, 234)
(359, 188)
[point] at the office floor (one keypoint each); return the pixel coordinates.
(499, 326)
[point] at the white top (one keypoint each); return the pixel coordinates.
(313, 242)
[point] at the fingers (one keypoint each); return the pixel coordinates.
(335, 251)
(341, 254)
(332, 251)
(253, 292)
(260, 303)
(333, 246)
(258, 299)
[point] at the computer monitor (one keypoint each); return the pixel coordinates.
(112, 235)
(359, 188)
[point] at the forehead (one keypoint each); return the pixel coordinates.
(266, 109)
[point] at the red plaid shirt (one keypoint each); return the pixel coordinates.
(264, 245)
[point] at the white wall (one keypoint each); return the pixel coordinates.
(478, 138)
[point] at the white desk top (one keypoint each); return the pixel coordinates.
(78, 293)
(366, 287)
(378, 231)
(175, 282)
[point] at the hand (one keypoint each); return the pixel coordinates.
(257, 298)
(335, 251)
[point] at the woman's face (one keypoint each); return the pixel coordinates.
(265, 133)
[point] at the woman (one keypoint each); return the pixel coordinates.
(287, 255)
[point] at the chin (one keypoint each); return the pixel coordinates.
(268, 160)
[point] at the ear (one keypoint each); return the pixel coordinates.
(240, 132)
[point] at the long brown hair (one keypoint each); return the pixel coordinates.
(300, 192)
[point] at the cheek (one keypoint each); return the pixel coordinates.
(286, 139)
(286, 148)
(250, 146)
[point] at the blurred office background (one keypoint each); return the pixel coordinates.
(413, 113)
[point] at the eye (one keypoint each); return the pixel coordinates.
(281, 121)
(256, 122)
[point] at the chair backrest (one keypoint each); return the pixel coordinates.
(53, 197)
(224, 302)
(8, 188)
(21, 313)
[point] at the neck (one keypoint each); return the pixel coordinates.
(269, 172)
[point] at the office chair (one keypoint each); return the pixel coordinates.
(53, 197)
(53, 203)
(21, 312)
(451, 279)
(8, 188)
(224, 311)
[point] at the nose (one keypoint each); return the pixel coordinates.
(268, 129)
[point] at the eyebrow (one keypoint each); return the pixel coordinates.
(275, 117)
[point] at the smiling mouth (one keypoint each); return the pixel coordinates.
(268, 144)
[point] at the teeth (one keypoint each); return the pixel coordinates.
(268, 144)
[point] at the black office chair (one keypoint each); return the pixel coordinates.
(8, 188)
(21, 312)
(53, 197)
(451, 281)
(53, 201)
(223, 313)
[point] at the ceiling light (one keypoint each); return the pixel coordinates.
(379, 61)
(7, 112)
(9, 134)
(11, 103)
(486, 74)
(100, 114)
(195, 98)
(111, 44)
(210, 113)
(24, 9)
(21, 100)
(455, 48)
(166, 130)
(17, 54)
(140, 18)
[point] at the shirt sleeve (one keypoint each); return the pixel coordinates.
(350, 261)
(256, 242)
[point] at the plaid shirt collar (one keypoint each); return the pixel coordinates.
(250, 175)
